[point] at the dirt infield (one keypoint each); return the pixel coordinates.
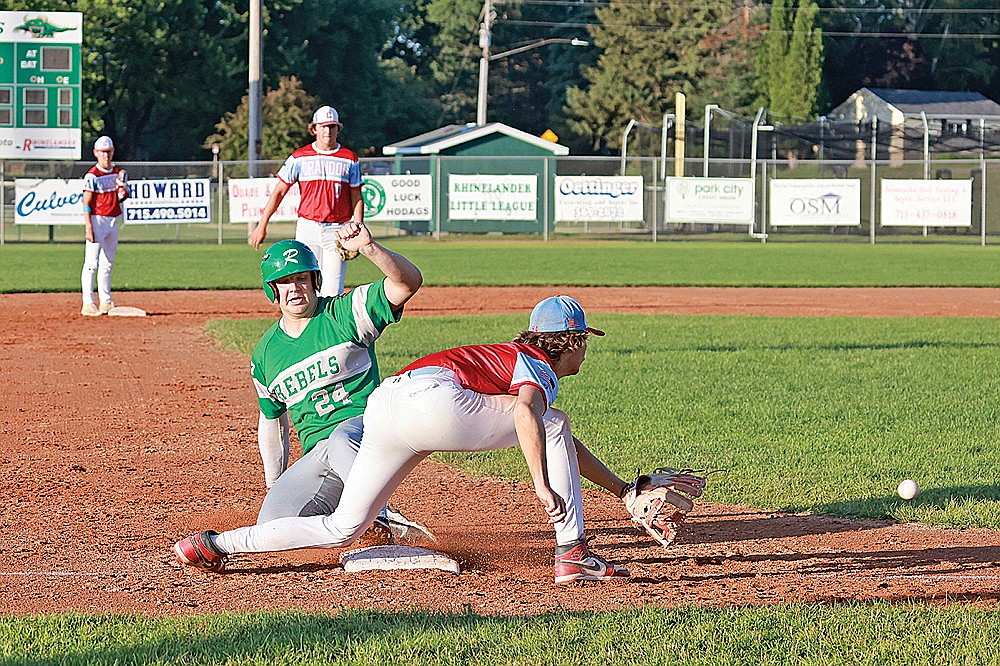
(122, 435)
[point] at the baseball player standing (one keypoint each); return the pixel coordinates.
(329, 178)
(473, 398)
(104, 188)
(317, 364)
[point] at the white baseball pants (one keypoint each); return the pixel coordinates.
(321, 237)
(409, 417)
(99, 258)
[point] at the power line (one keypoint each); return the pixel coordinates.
(837, 10)
(826, 33)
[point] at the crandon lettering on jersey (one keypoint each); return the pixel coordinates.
(318, 371)
(318, 168)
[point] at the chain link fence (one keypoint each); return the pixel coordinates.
(984, 174)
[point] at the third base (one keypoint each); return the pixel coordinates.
(384, 558)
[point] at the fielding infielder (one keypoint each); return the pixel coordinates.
(473, 398)
(329, 178)
(317, 364)
(104, 188)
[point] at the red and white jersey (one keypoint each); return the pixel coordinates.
(104, 185)
(325, 180)
(499, 369)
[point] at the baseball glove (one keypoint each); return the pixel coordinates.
(660, 501)
(346, 254)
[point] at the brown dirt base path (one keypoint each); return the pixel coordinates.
(122, 435)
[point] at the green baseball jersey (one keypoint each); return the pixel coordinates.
(325, 375)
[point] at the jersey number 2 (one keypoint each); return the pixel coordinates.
(328, 399)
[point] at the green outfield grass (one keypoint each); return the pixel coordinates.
(856, 634)
(140, 266)
(806, 414)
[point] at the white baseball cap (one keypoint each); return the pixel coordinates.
(326, 115)
(104, 143)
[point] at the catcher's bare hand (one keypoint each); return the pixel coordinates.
(553, 504)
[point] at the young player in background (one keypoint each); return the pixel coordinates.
(104, 188)
(329, 178)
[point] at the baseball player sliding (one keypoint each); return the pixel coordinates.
(317, 364)
(473, 398)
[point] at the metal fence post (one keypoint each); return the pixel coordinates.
(982, 188)
(218, 191)
(545, 198)
(3, 209)
(871, 222)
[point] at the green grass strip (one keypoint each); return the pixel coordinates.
(145, 266)
(806, 414)
(855, 634)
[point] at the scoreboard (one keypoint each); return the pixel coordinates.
(40, 85)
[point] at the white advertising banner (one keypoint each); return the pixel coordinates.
(40, 143)
(48, 201)
(815, 202)
(926, 203)
(168, 201)
(718, 200)
(599, 198)
(399, 198)
(482, 197)
(247, 197)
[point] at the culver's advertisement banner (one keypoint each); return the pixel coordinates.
(815, 202)
(48, 201)
(598, 198)
(926, 203)
(247, 197)
(57, 201)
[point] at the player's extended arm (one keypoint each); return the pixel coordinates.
(357, 205)
(260, 231)
(272, 440)
(593, 469)
(528, 409)
(402, 277)
(88, 202)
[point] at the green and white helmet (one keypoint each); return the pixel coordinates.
(284, 258)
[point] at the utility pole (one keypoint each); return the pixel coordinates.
(256, 90)
(485, 40)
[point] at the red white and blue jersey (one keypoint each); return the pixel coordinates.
(499, 369)
(104, 185)
(325, 180)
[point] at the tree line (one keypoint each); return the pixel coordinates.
(167, 78)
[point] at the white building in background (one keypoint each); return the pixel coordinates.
(952, 121)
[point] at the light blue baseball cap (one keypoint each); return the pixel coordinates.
(559, 313)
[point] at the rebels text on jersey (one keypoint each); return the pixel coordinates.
(325, 180)
(325, 375)
(499, 369)
(104, 185)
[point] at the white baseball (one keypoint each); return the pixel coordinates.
(908, 489)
